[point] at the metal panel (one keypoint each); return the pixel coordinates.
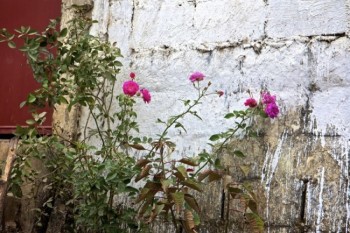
(16, 79)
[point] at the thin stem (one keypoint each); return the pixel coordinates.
(230, 136)
(174, 219)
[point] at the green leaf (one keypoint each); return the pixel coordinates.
(31, 98)
(192, 184)
(229, 115)
(182, 170)
(196, 219)
(255, 222)
(160, 121)
(178, 198)
(30, 122)
(179, 125)
(63, 32)
(215, 137)
(32, 56)
(11, 44)
(165, 184)
(239, 153)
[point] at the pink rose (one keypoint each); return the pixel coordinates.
(132, 75)
(130, 88)
(146, 96)
(196, 76)
(251, 102)
(272, 110)
(267, 98)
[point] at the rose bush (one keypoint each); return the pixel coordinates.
(91, 180)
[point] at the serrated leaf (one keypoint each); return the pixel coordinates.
(215, 137)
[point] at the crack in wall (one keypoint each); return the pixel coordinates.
(132, 19)
(256, 45)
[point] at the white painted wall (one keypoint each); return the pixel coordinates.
(287, 46)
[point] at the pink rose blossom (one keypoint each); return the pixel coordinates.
(272, 110)
(130, 88)
(146, 96)
(132, 75)
(251, 102)
(196, 76)
(267, 98)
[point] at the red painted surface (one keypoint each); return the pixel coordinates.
(16, 79)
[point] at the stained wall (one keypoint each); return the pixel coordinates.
(298, 49)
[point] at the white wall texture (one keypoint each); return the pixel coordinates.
(298, 49)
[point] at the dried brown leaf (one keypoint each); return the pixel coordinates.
(144, 172)
(191, 201)
(188, 161)
(142, 162)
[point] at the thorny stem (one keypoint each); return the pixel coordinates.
(219, 149)
(176, 118)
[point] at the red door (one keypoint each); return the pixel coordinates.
(16, 78)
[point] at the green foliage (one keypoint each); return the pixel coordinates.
(79, 70)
